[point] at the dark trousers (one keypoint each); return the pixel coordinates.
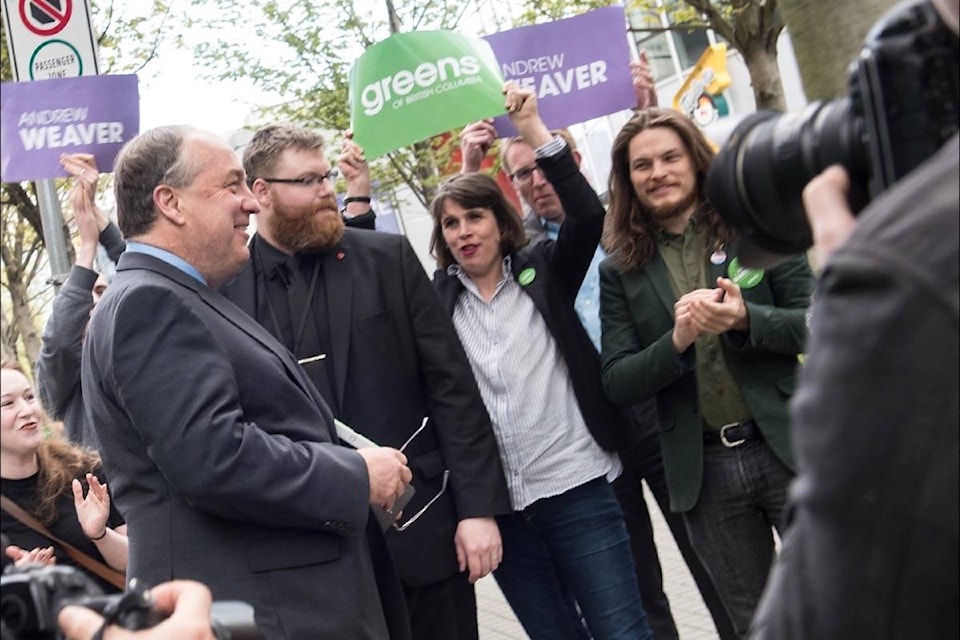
(741, 501)
(445, 609)
(642, 461)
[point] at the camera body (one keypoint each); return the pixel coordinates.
(903, 105)
(31, 599)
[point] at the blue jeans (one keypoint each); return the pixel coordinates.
(741, 500)
(567, 552)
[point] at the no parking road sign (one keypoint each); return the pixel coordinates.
(45, 17)
(50, 39)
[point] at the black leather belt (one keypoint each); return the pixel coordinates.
(733, 434)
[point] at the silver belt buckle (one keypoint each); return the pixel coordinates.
(730, 444)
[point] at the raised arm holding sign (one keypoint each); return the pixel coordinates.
(577, 67)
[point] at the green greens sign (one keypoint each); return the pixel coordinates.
(415, 85)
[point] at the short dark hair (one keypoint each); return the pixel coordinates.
(150, 159)
(261, 154)
(470, 191)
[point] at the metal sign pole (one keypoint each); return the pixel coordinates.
(52, 220)
(50, 40)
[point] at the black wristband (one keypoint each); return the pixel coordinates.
(99, 537)
(350, 199)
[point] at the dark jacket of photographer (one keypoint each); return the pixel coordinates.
(871, 549)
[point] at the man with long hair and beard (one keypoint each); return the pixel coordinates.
(716, 344)
(357, 309)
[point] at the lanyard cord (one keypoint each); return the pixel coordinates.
(308, 307)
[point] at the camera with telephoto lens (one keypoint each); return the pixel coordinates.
(903, 104)
(31, 599)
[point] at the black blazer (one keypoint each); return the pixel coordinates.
(223, 460)
(397, 359)
(560, 267)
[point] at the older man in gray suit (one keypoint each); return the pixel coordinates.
(221, 454)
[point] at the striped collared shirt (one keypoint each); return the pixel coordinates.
(545, 446)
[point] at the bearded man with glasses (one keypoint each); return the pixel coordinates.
(358, 311)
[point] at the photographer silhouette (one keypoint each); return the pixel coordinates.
(872, 546)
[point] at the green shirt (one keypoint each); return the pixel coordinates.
(719, 395)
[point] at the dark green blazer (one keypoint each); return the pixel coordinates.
(636, 311)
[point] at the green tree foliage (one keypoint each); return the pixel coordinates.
(302, 52)
(129, 34)
(20, 256)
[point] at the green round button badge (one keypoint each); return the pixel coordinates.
(526, 276)
(743, 277)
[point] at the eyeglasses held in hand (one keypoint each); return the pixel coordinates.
(423, 425)
(311, 180)
(443, 484)
(443, 487)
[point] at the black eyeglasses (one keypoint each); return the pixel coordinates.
(307, 181)
(525, 174)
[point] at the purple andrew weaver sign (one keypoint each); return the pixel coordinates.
(579, 67)
(45, 118)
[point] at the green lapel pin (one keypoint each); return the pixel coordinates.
(527, 276)
(743, 277)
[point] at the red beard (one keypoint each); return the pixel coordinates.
(307, 229)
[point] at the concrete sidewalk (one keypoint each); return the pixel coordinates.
(497, 621)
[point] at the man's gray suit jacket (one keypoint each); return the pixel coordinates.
(223, 460)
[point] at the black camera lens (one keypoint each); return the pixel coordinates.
(30, 598)
(903, 105)
(756, 180)
(16, 608)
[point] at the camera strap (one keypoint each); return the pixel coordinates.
(111, 575)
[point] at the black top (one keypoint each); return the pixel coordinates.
(293, 306)
(66, 526)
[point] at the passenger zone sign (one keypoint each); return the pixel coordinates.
(50, 39)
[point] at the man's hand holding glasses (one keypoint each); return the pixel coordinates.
(389, 474)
